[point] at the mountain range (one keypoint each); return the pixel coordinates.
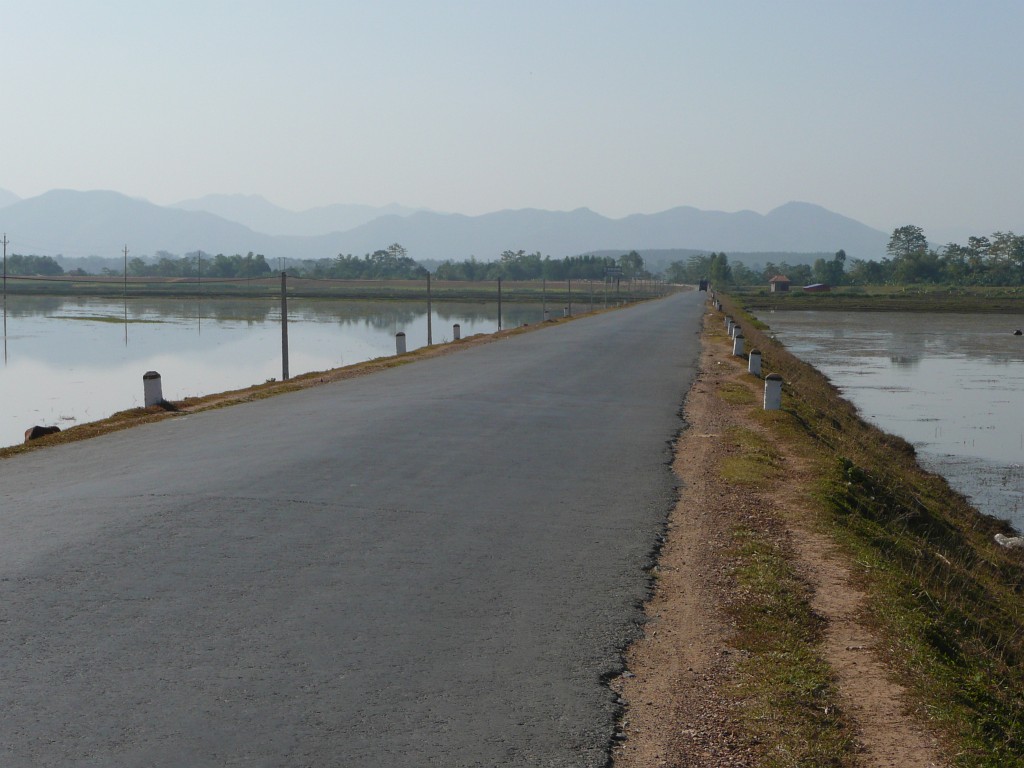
(77, 224)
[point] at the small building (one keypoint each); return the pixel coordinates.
(779, 284)
(817, 288)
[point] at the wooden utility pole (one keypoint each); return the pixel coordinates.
(125, 294)
(284, 326)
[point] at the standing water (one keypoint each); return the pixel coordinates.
(68, 361)
(950, 384)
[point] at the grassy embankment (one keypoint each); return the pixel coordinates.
(947, 600)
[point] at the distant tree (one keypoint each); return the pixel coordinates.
(830, 272)
(1006, 258)
(679, 272)
(744, 275)
(868, 272)
(137, 267)
(632, 264)
(18, 264)
(905, 241)
(719, 270)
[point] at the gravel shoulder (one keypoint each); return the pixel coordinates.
(683, 705)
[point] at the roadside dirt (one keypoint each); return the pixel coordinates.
(679, 687)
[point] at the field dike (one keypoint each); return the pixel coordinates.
(820, 599)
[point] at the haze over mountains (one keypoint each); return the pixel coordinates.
(102, 223)
(260, 215)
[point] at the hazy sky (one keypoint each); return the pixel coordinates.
(888, 111)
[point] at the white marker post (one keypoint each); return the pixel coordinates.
(754, 362)
(152, 388)
(400, 343)
(737, 345)
(772, 392)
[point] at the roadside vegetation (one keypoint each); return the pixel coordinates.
(948, 600)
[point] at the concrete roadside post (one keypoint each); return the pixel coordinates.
(400, 343)
(456, 331)
(152, 388)
(772, 392)
(737, 345)
(754, 363)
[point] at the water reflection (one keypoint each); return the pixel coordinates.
(68, 360)
(951, 384)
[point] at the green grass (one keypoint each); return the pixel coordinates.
(736, 393)
(752, 459)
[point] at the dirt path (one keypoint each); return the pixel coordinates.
(679, 710)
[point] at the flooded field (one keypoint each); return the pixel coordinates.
(67, 361)
(951, 384)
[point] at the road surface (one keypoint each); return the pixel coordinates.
(433, 565)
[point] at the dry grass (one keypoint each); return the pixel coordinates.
(948, 600)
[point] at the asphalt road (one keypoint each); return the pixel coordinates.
(431, 566)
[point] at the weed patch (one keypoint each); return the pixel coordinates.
(788, 697)
(752, 458)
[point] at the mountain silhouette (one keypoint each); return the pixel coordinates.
(102, 223)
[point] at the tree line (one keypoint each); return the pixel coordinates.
(519, 265)
(720, 271)
(994, 260)
(391, 263)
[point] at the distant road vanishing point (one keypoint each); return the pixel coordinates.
(433, 565)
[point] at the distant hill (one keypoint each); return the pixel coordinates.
(7, 198)
(260, 215)
(102, 223)
(791, 228)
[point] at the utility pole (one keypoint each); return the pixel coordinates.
(5, 268)
(430, 327)
(126, 294)
(5, 298)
